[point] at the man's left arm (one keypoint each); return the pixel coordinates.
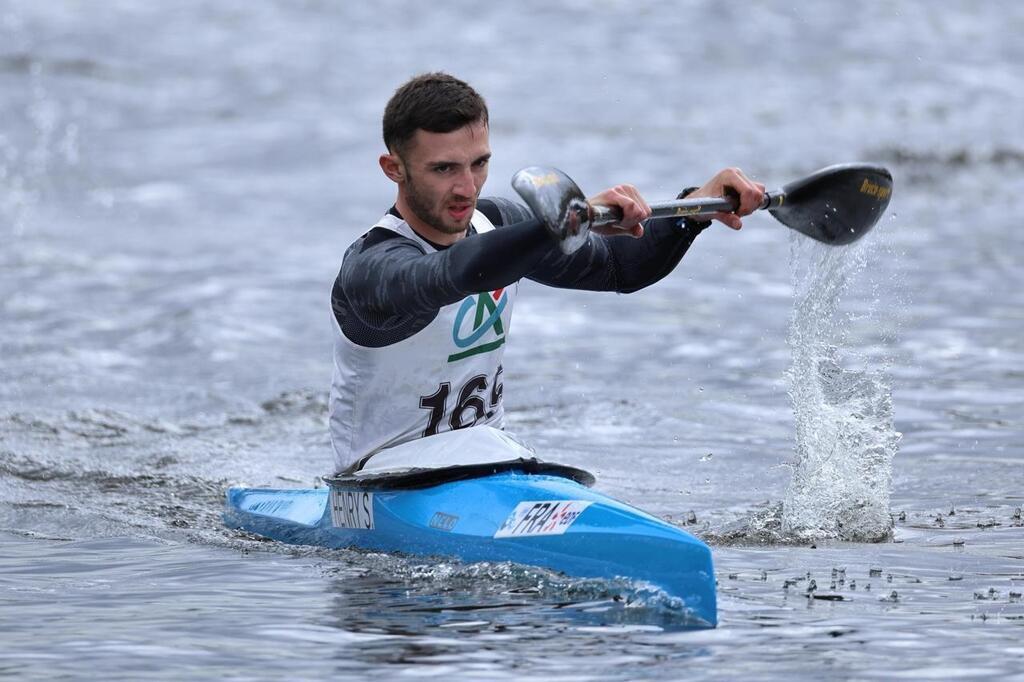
(608, 262)
(621, 264)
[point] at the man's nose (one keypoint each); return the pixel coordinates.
(465, 184)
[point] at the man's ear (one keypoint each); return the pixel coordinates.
(393, 167)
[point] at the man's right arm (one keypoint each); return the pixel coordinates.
(389, 288)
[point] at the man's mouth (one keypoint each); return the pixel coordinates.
(459, 211)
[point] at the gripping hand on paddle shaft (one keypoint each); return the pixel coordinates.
(732, 181)
(635, 209)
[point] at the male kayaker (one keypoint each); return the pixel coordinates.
(423, 301)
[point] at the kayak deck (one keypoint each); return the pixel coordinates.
(539, 520)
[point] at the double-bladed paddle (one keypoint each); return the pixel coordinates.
(836, 205)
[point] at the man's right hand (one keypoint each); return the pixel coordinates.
(635, 210)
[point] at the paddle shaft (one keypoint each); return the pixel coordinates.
(835, 205)
(685, 208)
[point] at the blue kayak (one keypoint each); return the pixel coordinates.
(520, 510)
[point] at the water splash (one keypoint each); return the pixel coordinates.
(845, 440)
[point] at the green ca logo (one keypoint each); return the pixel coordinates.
(484, 324)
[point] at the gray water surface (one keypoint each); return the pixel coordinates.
(179, 182)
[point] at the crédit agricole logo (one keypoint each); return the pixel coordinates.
(478, 327)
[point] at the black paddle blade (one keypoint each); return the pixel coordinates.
(558, 202)
(838, 204)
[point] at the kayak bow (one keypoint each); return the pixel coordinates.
(521, 510)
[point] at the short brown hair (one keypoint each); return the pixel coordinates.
(435, 102)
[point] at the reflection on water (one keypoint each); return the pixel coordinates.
(168, 609)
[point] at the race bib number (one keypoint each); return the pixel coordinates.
(541, 518)
(352, 509)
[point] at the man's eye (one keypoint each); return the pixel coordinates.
(442, 169)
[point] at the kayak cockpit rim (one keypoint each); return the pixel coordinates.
(458, 455)
(427, 477)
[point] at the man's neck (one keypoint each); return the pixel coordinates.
(429, 233)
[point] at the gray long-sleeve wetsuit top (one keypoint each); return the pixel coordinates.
(389, 288)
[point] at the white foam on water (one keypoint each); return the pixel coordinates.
(842, 403)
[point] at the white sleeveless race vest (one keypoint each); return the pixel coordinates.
(444, 377)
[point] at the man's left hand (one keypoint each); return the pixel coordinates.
(732, 181)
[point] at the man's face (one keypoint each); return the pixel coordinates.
(444, 173)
